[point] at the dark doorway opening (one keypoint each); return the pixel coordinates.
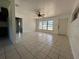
(4, 23)
(19, 25)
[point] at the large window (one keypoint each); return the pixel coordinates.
(46, 25)
(50, 25)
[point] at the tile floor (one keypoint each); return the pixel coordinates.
(36, 46)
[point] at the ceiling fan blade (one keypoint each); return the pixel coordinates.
(38, 13)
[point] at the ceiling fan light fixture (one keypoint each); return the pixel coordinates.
(38, 13)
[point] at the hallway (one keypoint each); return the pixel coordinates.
(37, 45)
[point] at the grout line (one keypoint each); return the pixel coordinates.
(29, 51)
(17, 51)
(38, 51)
(58, 56)
(4, 53)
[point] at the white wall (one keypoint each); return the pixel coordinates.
(4, 3)
(63, 23)
(27, 20)
(73, 33)
(28, 24)
(74, 38)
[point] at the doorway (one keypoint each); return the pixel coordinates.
(19, 25)
(4, 23)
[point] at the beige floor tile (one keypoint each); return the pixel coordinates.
(1, 51)
(53, 55)
(37, 46)
(12, 55)
(24, 53)
(2, 55)
(62, 57)
(40, 55)
(48, 57)
(27, 56)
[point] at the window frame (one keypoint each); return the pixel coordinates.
(46, 25)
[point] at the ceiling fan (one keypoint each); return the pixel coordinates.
(38, 13)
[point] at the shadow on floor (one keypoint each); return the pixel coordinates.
(4, 42)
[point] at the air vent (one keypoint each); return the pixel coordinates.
(17, 5)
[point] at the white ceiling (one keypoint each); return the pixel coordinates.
(48, 7)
